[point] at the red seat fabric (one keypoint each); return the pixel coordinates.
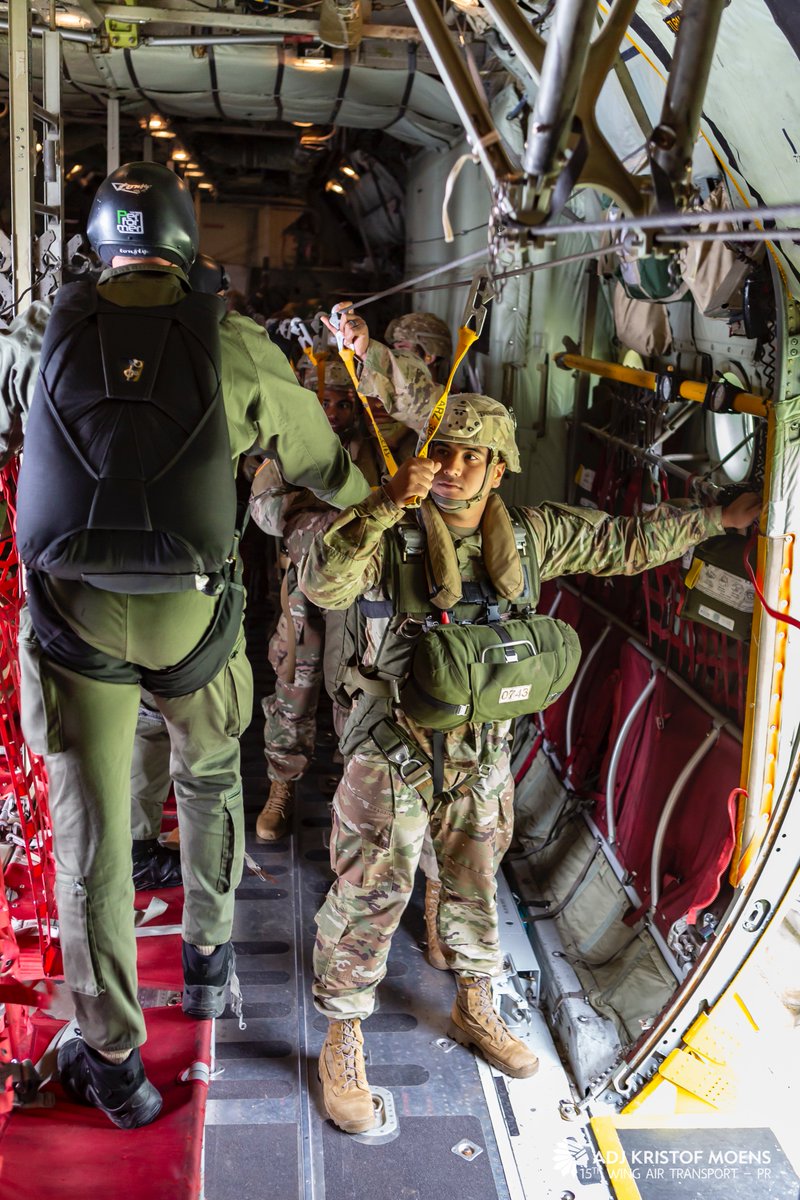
(673, 729)
(700, 836)
(634, 673)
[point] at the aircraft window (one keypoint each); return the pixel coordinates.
(727, 434)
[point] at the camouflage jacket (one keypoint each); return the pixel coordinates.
(295, 515)
(346, 561)
(401, 381)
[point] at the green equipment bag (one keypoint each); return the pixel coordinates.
(484, 673)
(719, 593)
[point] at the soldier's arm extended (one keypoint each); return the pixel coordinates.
(346, 560)
(20, 347)
(286, 420)
(402, 383)
(571, 540)
(293, 514)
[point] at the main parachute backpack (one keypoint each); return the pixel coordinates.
(126, 481)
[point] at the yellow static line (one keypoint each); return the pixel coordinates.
(389, 459)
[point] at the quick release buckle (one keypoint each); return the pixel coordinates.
(411, 770)
(416, 778)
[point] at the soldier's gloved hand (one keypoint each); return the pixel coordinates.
(414, 479)
(742, 512)
(353, 329)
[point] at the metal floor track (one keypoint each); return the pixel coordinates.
(266, 1133)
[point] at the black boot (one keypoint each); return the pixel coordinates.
(121, 1090)
(154, 867)
(206, 978)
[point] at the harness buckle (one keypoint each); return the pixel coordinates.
(415, 628)
(412, 770)
(418, 776)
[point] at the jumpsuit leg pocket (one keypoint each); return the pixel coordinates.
(78, 947)
(227, 852)
(363, 825)
(40, 715)
(331, 926)
(238, 691)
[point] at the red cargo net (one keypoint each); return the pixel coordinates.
(28, 940)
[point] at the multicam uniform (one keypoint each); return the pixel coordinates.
(379, 820)
(290, 712)
(296, 656)
(401, 381)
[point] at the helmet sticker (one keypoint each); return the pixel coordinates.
(133, 370)
(131, 187)
(130, 221)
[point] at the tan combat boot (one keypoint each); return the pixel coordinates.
(345, 1091)
(476, 1022)
(273, 820)
(435, 952)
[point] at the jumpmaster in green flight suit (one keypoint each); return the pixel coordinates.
(84, 727)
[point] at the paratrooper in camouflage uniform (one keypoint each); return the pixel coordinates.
(380, 808)
(401, 377)
(296, 647)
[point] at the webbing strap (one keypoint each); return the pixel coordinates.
(289, 665)
(276, 93)
(340, 95)
(458, 710)
(466, 337)
(412, 70)
(347, 357)
(437, 742)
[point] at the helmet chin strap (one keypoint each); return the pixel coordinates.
(445, 505)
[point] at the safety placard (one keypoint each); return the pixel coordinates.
(729, 589)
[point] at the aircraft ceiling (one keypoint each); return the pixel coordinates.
(388, 84)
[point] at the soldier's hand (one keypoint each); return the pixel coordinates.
(413, 480)
(354, 329)
(742, 512)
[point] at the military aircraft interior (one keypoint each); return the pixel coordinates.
(589, 212)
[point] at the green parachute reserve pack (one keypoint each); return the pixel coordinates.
(484, 673)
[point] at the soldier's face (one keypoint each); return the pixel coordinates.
(339, 409)
(419, 351)
(462, 472)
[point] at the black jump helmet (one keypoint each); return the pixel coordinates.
(144, 210)
(207, 275)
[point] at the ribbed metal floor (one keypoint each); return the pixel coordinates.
(266, 1133)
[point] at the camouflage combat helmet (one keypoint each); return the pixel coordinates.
(474, 420)
(334, 374)
(425, 330)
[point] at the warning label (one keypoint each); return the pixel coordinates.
(728, 589)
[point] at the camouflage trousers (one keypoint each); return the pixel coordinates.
(290, 724)
(379, 824)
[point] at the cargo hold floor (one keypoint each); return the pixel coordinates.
(265, 1128)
